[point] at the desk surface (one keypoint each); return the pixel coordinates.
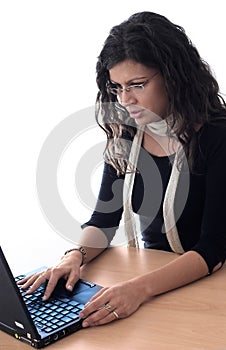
(189, 318)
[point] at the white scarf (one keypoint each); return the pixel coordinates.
(161, 128)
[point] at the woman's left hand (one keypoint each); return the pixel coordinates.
(112, 303)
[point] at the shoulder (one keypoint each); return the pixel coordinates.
(213, 130)
(212, 140)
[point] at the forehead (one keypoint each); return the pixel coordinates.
(128, 70)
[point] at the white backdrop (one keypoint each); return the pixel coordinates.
(47, 72)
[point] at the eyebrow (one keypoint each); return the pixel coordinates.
(129, 81)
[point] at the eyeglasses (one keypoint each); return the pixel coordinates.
(135, 88)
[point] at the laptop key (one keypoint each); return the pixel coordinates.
(54, 326)
(80, 307)
(54, 313)
(66, 319)
(65, 300)
(48, 329)
(49, 318)
(65, 312)
(54, 307)
(69, 307)
(48, 311)
(59, 316)
(64, 305)
(55, 320)
(59, 309)
(73, 316)
(39, 325)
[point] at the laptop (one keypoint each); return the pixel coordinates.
(36, 322)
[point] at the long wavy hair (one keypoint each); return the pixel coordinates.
(154, 41)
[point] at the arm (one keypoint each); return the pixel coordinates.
(205, 257)
(212, 243)
(187, 268)
(96, 236)
(93, 240)
(126, 297)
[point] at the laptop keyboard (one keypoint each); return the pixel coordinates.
(51, 314)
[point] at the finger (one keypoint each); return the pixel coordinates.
(94, 305)
(71, 280)
(109, 318)
(28, 281)
(98, 294)
(54, 278)
(106, 319)
(91, 308)
(31, 280)
(96, 316)
(24, 280)
(35, 282)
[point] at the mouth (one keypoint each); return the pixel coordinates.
(135, 114)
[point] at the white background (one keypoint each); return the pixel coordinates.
(47, 72)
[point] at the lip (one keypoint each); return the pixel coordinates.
(135, 114)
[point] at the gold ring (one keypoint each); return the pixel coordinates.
(107, 307)
(115, 314)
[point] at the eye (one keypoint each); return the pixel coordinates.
(138, 86)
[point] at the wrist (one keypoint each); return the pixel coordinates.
(81, 251)
(144, 286)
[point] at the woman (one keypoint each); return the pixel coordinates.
(166, 142)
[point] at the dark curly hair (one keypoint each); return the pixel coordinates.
(154, 41)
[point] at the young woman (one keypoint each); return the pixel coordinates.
(166, 146)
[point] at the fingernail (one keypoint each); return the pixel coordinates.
(85, 324)
(70, 288)
(81, 315)
(44, 298)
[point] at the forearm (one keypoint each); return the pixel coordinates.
(94, 241)
(185, 269)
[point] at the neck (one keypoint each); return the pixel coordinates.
(160, 128)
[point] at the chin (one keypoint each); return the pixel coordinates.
(142, 121)
(151, 117)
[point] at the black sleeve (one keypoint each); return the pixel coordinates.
(212, 243)
(109, 206)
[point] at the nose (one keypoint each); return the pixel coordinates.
(127, 98)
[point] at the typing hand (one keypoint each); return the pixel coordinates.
(110, 304)
(68, 268)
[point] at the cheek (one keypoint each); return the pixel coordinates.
(158, 101)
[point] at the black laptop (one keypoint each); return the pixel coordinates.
(36, 322)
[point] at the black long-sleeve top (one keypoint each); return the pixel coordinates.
(200, 214)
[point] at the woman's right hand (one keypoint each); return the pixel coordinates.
(68, 268)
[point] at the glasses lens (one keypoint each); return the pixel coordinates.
(137, 89)
(112, 90)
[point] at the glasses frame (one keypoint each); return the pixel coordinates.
(117, 91)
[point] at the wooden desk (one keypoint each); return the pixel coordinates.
(189, 318)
